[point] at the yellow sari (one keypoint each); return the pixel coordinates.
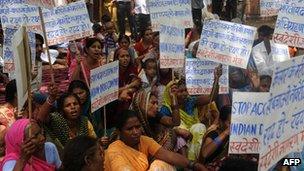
(191, 123)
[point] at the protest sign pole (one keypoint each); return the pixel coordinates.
(46, 44)
(82, 66)
(105, 113)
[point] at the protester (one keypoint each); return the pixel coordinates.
(132, 151)
(93, 59)
(25, 141)
(155, 126)
(83, 153)
(216, 140)
(67, 122)
(82, 91)
(124, 42)
(124, 10)
(145, 44)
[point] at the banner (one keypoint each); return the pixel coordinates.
(284, 131)
(227, 43)
(247, 122)
(104, 85)
(66, 23)
(170, 11)
(171, 46)
(200, 77)
(289, 26)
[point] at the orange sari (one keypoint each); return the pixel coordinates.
(120, 157)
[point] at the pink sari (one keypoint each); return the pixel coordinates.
(13, 140)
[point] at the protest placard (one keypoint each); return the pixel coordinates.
(22, 62)
(270, 7)
(8, 55)
(104, 85)
(247, 122)
(171, 46)
(227, 43)
(284, 130)
(289, 26)
(200, 77)
(66, 23)
(168, 11)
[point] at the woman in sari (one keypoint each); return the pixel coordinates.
(25, 141)
(191, 129)
(132, 150)
(215, 142)
(93, 59)
(155, 126)
(67, 123)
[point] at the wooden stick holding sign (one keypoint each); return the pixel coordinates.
(46, 44)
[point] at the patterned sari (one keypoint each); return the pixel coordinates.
(163, 135)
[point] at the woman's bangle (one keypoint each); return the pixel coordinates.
(217, 141)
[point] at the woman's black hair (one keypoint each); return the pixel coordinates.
(125, 115)
(60, 101)
(225, 112)
(123, 36)
(75, 152)
(10, 91)
(78, 84)
(90, 41)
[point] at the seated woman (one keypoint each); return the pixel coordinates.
(191, 128)
(82, 91)
(67, 123)
(132, 151)
(155, 126)
(83, 153)
(215, 142)
(25, 141)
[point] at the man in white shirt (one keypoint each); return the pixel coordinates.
(196, 8)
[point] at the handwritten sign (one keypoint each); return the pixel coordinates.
(168, 11)
(16, 14)
(270, 7)
(171, 46)
(104, 85)
(247, 122)
(284, 131)
(289, 26)
(8, 55)
(200, 77)
(66, 23)
(227, 43)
